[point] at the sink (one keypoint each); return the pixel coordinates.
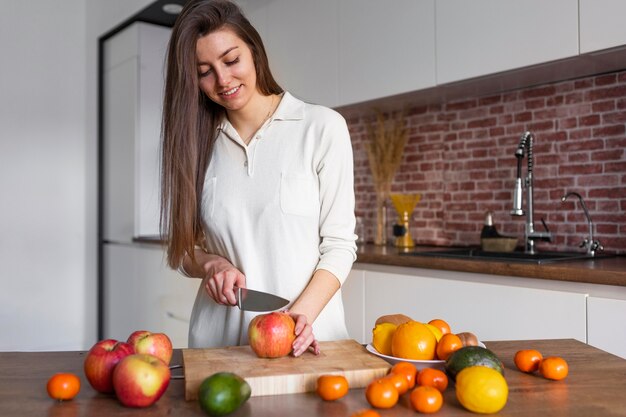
(477, 254)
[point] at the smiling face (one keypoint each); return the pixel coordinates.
(226, 70)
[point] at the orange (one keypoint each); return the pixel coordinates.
(426, 399)
(63, 386)
(332, 387)
(448, 344)
(442, 325)
(413, 340)
(381, 393)
(366, 413)
(399, 381)
(435, 378)
(528, 360)
(554, 367)
(407, 369)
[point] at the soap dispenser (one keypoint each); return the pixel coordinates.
(489, 230)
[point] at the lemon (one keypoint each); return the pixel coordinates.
(481, 389)
(435, 331)
(381, 337)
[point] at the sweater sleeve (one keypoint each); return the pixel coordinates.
(337, 218)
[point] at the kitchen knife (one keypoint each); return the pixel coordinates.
(252, 300)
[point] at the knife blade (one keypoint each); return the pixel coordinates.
(252, 300)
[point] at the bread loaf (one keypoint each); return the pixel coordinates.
(396, 319)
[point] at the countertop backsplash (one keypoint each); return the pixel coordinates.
(461, 158)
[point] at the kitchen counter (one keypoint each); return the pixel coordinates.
(594, 387)
(607, 271)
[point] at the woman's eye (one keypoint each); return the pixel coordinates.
(233, 62)
(205, 73)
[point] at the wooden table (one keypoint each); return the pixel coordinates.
(596, 386)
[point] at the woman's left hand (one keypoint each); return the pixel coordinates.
(305, 339)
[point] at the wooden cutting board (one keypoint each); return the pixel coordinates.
(285, 375)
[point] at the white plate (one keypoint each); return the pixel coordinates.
(437, 364)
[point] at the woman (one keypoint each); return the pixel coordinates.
(257, 185)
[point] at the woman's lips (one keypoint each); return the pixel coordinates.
(230, 93)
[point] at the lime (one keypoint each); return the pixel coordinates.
(222, 393)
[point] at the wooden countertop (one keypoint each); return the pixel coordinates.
(608, 271)
(594, 387)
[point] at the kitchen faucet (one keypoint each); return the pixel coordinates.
(591, 245)
(530, 234)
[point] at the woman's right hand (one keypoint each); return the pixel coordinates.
(222, 277)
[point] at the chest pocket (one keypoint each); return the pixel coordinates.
(298, 194)
(208, 196)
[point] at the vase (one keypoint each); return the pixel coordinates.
(380, 237)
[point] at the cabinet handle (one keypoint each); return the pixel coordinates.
(176, 317)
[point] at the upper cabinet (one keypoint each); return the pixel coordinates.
(132, 99)
(480, 37)
(341, 52)
(385, 48)
(602, 24)
(301, 41)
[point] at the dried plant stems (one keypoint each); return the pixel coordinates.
(387, 139)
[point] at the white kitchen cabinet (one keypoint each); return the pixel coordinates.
(481, 37)
(607, 330)
(385, 48)
(142, 293)
(132, 89)
(471, 302)
(602, 24)
(301, 42)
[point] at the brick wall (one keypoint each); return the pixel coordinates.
(460, 158)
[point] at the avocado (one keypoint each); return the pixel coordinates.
(472, 356)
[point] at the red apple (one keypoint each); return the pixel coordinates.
(271, 335)
(101, 360)
(157, 344)
(140, 380)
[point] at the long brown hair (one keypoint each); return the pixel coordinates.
(190, 119)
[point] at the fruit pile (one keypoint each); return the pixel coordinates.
(136, 371)
(402, 337)
(480, 385)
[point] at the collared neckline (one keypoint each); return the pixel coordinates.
(289, 108)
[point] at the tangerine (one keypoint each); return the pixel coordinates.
(528, 360)
(400, 381)
(368, 412)
(381, 393)
(425, 399)
(408, 370)
(413, 340)
(332, 387)
(431, 377)
(442, 325)
(554, 367)
(448, 344)
(63, 386)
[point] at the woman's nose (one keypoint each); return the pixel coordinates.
(223, 77)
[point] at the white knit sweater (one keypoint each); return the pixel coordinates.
(278, 209)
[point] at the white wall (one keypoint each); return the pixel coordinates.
(48, 127)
